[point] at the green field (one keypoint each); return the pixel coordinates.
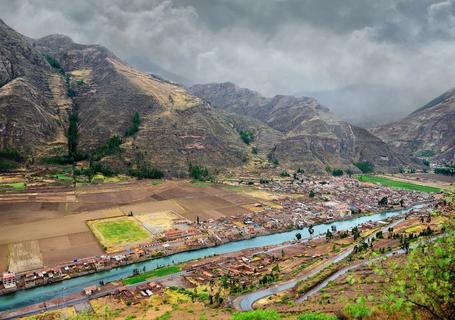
(14, 186)
(152, 274)
(118, 231)
(396, 184)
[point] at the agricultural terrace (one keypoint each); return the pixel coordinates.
(397, 184)
(114, 232)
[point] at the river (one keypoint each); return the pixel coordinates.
(38, 294)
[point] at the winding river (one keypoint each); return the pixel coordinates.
(38, 294)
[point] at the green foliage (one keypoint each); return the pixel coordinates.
(257, 315)
(425, 282)
(247, 136)
(80, 82)
(11, 154)
(62, 160)
(254, 150)
(103, 168)
(316, 316)
(276, 162)
(135, 126)
(161, 272)
(284, 173)
(365, 166)
(9, 158)
(54, 63)
(447, 171)
(110, 147)
(6, 164)
(349, 172)
(73, 135)
(198, 172)
(426, 153)
(337, 172)
(311, 194)
(358, 310)
(145, 171)
(300, 170)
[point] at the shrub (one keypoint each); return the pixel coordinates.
(337, 172)
(365, 166)
(316, 316)
(10, 154)
(358, 310)
(198, 172)
(284, 173)
(135, 126)
(54, 63)
(257, 315)
(112, 146)
(147, 172)
(254, 150)
(6, 164)
(246, 136)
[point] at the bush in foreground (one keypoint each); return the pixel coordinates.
(257, 315)
(316, 316)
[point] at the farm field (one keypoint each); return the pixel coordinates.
(56, 218)
(114, 232)
(397, 184)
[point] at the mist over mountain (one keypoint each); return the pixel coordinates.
(370, 105)
(324, 49)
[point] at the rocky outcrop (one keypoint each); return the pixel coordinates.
(311, 136)
(429, 130)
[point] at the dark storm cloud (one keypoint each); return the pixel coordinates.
(274, 46)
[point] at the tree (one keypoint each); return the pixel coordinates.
(349, 172)
(247, 136)
(425, 283)
(383, 202)
(311, 194)
(134, 128)
(365, 166)
(298, 236)
(198, 172)
(337, 172)
(328, 235)
(72, 135)
(311, 229)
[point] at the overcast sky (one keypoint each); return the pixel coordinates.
(274, 46)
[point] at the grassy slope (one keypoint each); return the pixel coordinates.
(396, 184)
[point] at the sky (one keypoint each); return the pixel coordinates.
(403, 47)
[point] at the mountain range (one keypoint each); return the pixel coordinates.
(48, 83)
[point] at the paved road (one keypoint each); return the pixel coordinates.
(85, 299)
(246, 301)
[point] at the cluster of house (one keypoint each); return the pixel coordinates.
(339, 196)
(330, 199)
(241, 268)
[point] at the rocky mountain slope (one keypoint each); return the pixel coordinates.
(429, 130)
(311, 136)
(33, 101)
(44, 80)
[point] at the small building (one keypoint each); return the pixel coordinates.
(9, 280)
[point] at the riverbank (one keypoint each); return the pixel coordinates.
(39, 294)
